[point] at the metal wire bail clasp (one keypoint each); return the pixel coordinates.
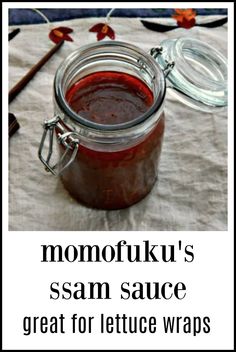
(69, 139)
(155, 52)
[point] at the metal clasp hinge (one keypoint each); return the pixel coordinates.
(155, 52)
(68, 138)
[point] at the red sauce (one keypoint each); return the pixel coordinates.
(106, 179)
(110, 97)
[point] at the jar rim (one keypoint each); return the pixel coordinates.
(84, 53)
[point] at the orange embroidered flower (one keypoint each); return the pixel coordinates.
(185, 17)
(60, 33)
(103, 30)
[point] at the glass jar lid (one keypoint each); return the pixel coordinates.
(197, 74)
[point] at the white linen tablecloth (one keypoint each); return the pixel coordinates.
(191, 193)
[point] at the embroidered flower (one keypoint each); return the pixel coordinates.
(185, 17)
(103, 30)
(60, 33)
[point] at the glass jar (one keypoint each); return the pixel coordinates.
(112, 166)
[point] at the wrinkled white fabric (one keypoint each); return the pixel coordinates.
(191, 193)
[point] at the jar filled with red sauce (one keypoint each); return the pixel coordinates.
(109, 122)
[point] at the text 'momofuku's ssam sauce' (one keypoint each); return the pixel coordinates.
(113, 179)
